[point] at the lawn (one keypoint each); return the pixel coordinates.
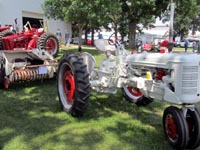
(31, 119)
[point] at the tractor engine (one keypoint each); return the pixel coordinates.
(16, 41)
(172, 77)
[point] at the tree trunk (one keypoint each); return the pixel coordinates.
(132, 36)
(80, 38)
(92, 38)
(86, 38)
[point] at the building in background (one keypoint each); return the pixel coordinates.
(160, 31)
(21, 11)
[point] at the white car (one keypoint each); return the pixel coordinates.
(182, 43)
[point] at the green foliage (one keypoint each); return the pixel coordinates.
(141, 12)
(186, 12)
(125, 15)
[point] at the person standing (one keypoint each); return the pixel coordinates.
(59, 35)
(194, 46)
(186, 45)
(16, 26)
(198, 47)
(67, 38)
(100, 36)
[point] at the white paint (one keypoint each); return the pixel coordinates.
(11, 9)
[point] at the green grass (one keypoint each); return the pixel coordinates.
(31, 119)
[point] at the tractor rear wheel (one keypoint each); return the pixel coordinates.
(4, 34)
(134, 95)
(1, 76)
(49, 43)
(73, 85)
(1, 81)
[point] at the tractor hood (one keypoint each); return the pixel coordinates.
(162, 60)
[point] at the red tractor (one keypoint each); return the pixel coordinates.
(4, 28)
(29, 38)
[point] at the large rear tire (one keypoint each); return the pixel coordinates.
(2, 73)
(49, 43)
(134, 95)
(73, 85)
(1, 81)
(4, 34)
(175, 127)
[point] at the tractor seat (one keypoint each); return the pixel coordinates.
(103, 45)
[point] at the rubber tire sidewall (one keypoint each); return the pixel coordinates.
(1, 81)
(44, 38)
(182, 127)
(4, 34)
(82, 90)
(128, 96)
(138, 100)
(195, 139)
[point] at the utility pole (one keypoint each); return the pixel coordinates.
(171, 26)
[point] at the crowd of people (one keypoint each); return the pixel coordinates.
(67, 37)
(195, 46)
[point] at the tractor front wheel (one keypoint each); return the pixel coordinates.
(175, 127)
(73, 85)
(49, 43)
(134, 95)
(193, 120)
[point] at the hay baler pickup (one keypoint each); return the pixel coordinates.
(23, 65)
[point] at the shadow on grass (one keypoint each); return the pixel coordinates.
(22, 110)
(142, 129)
(31, 111)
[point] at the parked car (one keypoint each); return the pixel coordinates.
(181, 43)
(75, 40)
(89, 39)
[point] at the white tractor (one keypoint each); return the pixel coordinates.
(143, 77)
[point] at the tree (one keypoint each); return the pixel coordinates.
(141, 12)
(78, 12)
(186, 17)
(121, 13)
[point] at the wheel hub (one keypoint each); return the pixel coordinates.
(134, 91)
(50, 46)
(171, 128)
(69, 85)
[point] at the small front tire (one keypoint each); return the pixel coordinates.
(193, 120)
(175, 127)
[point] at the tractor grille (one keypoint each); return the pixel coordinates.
(190, 80)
